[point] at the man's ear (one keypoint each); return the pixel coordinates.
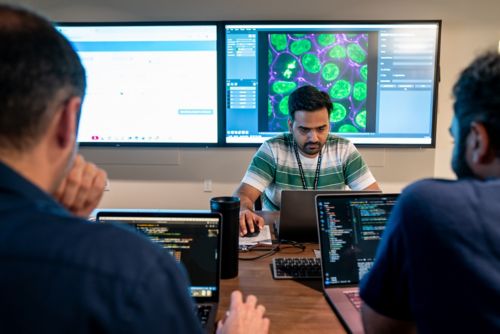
(290, 125)
(479, 144)
(67, 122)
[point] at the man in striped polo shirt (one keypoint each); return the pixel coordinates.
(307, 157)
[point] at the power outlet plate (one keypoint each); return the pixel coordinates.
(207, 185)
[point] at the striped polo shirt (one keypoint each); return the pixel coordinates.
(274, 168)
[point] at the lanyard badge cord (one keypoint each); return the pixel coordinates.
(301, 169)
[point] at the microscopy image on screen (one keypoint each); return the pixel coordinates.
(333, 62)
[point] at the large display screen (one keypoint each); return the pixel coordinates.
(148, 84)
(382, 78)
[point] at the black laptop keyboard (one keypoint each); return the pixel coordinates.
(203, 313)
(296, 268)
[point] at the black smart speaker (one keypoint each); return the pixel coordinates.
(229, 208)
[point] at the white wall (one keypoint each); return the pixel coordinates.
(173, 178)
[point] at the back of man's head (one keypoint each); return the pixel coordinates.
(38, 71)
(308, 98)
(477, 97)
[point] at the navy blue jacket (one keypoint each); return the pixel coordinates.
(62, 274)
(439, 260)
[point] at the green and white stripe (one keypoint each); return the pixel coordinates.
(274, 168)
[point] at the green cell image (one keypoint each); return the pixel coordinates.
(337, 52)
(363, 72)
(334, 62)
(348, 128)
(338, 113)
(330, 72)
(279, 41)
(269, 57)
(356, 53)
(290, 70)
(283, 87)
(340, 90)
(283, 106)
(286, 67)
(301, 46)
(359, 91)
(326, 39)
(361, 119)
(311, 63)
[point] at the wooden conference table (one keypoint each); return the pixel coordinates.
(292, 306)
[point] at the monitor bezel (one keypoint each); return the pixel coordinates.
(220, 97)
(437, 22)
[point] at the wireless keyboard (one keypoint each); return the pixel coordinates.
(296, 268)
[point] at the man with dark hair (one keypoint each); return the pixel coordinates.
(308, 157)
(438, 266)
(60, 273)
(24, 118)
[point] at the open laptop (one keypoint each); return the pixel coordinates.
(349, 228)
(298, 214)
(194, 239)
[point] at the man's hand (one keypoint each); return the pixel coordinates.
(82, 188)
(244, 317)
(248, 195)
(247, 220)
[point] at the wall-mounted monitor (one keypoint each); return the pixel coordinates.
(148, 84)
(382, 78)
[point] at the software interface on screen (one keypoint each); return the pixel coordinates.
(193, 241)
(147, 84)
(350, 233)
(381, 79)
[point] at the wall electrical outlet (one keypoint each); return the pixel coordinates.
(207, 185)
(107, 186)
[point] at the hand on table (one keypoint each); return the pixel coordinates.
(244, 317)
(247, 220)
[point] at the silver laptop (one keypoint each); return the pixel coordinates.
(194, 239)
(349, 229)
(298, 214)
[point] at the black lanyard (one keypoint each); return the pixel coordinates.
(301, 170)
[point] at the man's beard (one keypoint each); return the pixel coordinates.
(459, 162)
(68, 165)
(312, 148)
